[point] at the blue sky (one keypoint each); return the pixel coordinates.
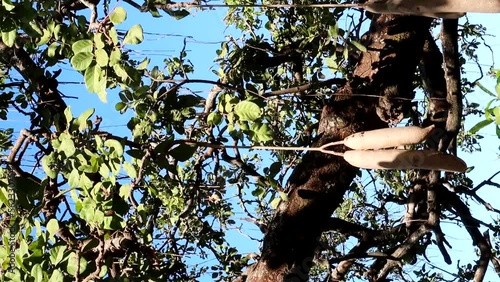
(204, 31)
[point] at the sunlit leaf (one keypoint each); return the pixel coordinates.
(94, 79)
(98, 40)
(57, 254)
(115, 146)
(113, 35)
(76, 264)
(68, 147)
(7, 4)
(82, 61)
(47, 163)
(52, 227)
(496, 112)
(358, 46)
(74, 178)
(480, 125)
(275, 202)
(486, 90)
(134, 35)
(144, 64)
(56, 276)
(129, 169)
(80, 46)
(101, 57)
(9, 37)
(37, 272)
(84, 117)
(247, 111)
(118, 15)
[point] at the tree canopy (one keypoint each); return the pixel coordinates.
(159, 199)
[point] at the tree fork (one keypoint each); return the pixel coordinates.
(318, 183)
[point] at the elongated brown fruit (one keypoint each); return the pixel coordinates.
(404, 159)
(388, 137)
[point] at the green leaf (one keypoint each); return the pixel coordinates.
(68, 147)
(98, 41)
(488, 111)
(36, 29)
(82, 46)
(51, 50)
(37, 272)
(56, 255)
(130, 169)
(496, 112)
(497, 88)
(114, 57)
(57, 32)
(52, 227)
(261, 132)
(144, 64)
(358, 46)
(101, 57)
(115, 147)
(333, 31)
(486, 90)
(7, 4)
(283, 196)
(120, 71)
(125, 191)
(114, 35)
(82, 61)
(45, 37)
(247, 111)
(113, 222)
(68, 115)
(118, 15)
(85, 181)
(13, 276)
(74, 178)
(480, 125)
(75, 264)
(47, 163)
(83, 118)
(94, 79)
(134, 35)
(3, 197)
(331, 62)
(9, 37)
(88, 210)
(120, 106)
(275, 202)
(19, 261)
(214, 118)
(179, 14)
(182, 152)
(57, 276)
(102, 96)
(186, 101)
(104, 171)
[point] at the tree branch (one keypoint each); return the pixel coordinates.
(471, 225)
(449, 38)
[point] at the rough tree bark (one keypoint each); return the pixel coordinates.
(317, 186)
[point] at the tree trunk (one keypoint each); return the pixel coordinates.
(318, 183)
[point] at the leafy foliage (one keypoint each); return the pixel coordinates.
(157, 201)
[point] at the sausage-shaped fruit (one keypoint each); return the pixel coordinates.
(387, 137)
(404, 159)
